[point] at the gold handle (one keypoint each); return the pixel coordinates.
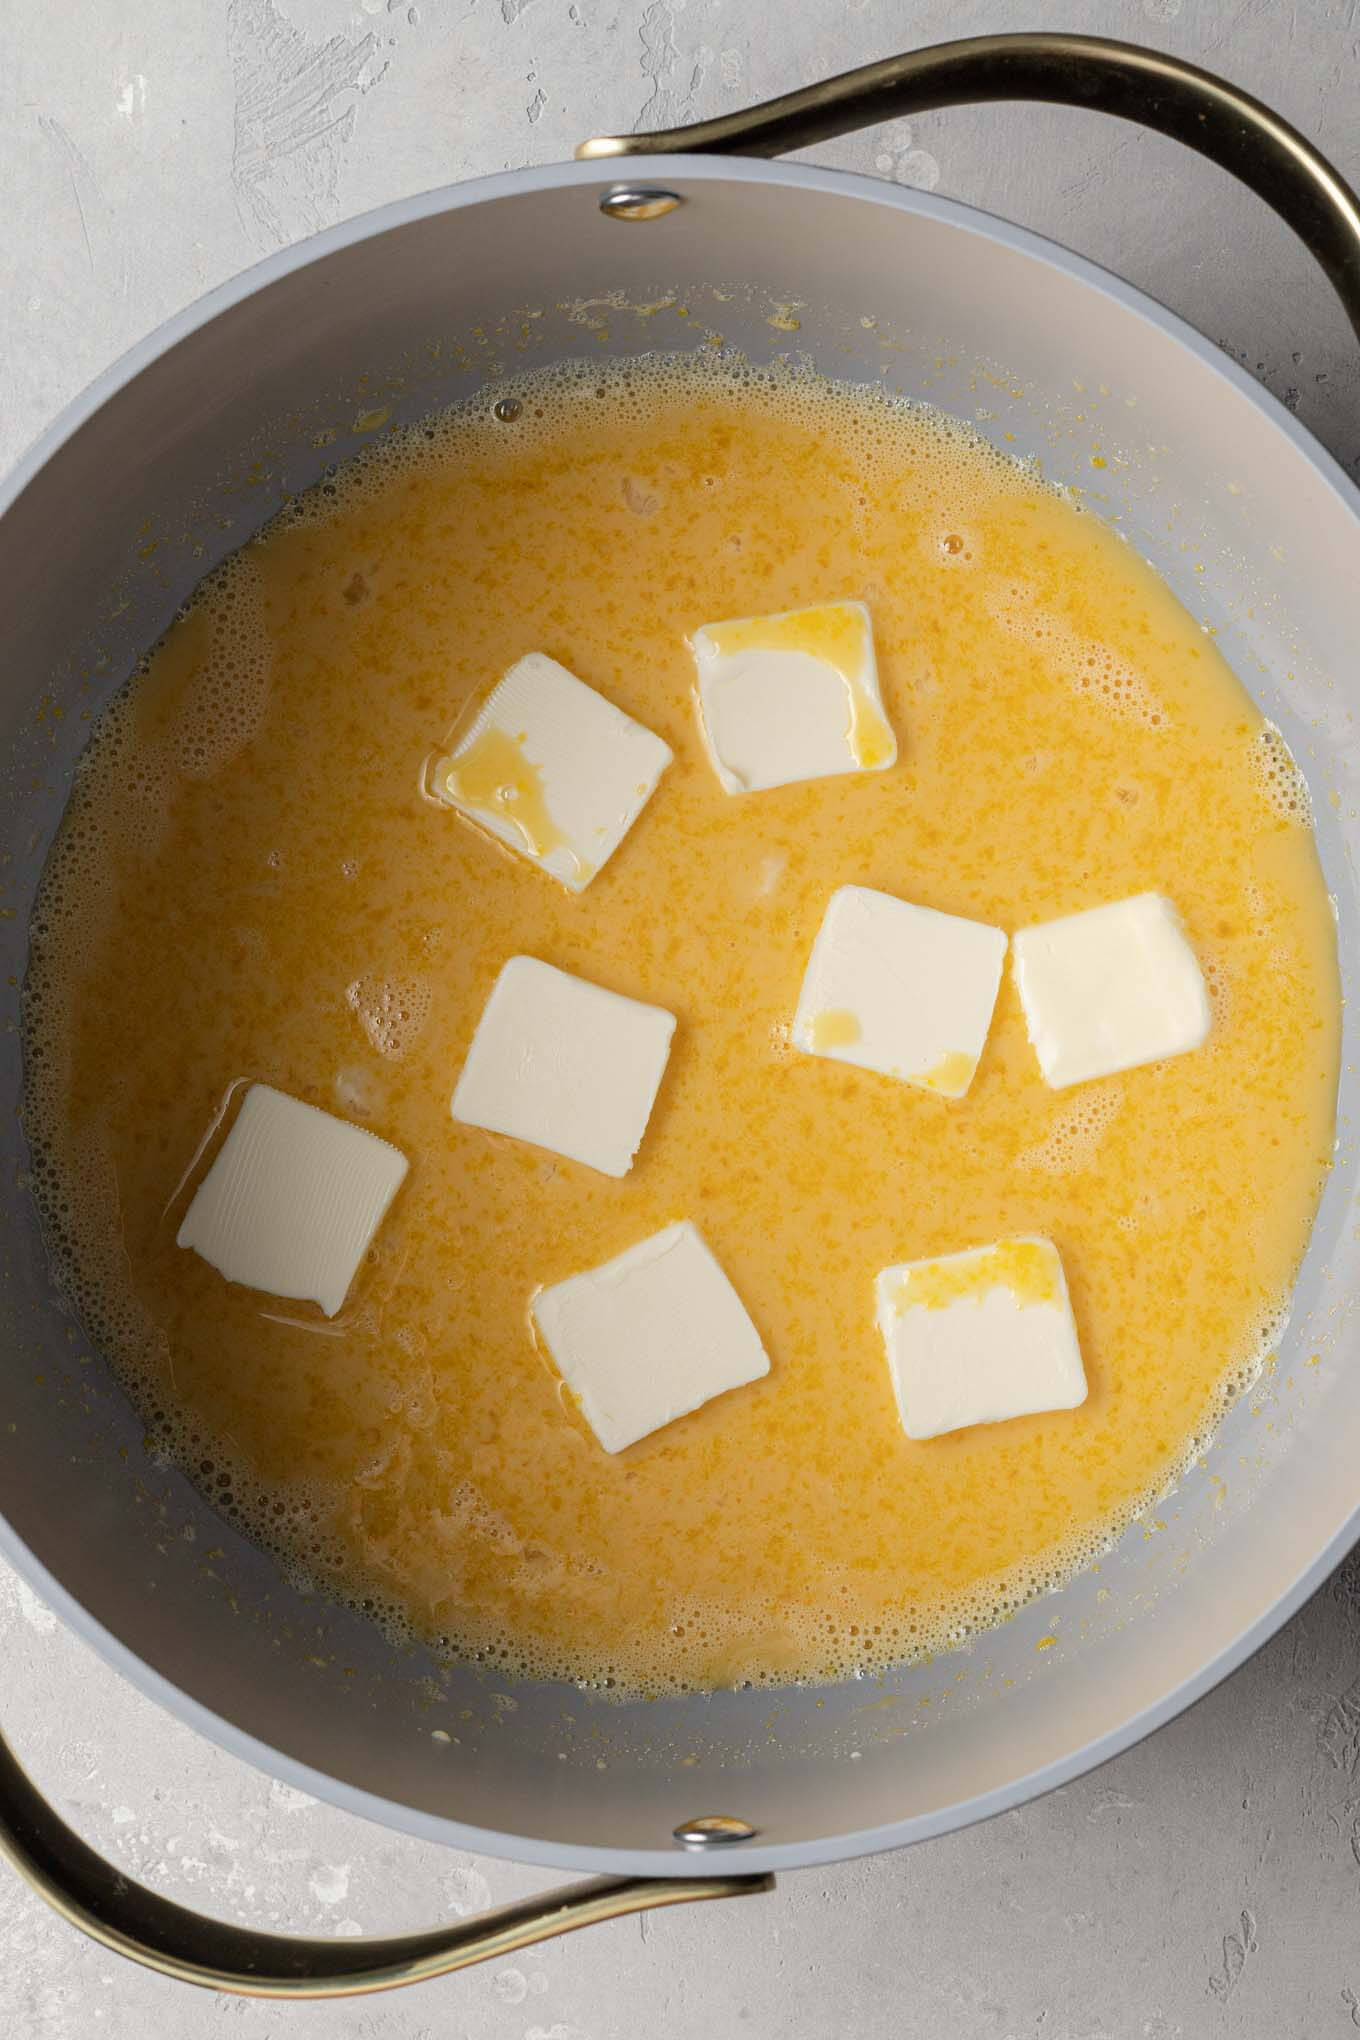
(1193, 106)
(138, 1923)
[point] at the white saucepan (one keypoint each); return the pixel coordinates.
(176, 456)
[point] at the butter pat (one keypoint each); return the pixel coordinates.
(1110, 988)
(980, 1336)
(292, 1200)
(900, 989)
(564, 1064)
(793, 696)
(649, 1336)
(552, 769)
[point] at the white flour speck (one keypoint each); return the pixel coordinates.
(287, 1798)
(36, 1613)
(466, 1891)
(330, 1883)
(918, 168)
(130, 104)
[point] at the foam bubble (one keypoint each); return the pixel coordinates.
(1278, 777)
(391, 1011)
(1075, 1131)
(1219, 988)
(224, 702)
(1097, 672)
(951, 541)
(866, 419)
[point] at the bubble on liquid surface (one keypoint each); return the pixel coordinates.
(392, 1011)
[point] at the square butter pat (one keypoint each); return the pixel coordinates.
(1110, 988)
(790, 697)
(976, 1337)
(649, 1336)
(900, 989)
(553, 769)
(292, 1200)
(564, 1064)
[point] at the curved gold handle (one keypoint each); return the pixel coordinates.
(160, 1935)
(1193, 106)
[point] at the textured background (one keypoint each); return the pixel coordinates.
(1207, 1883)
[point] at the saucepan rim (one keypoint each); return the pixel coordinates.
(677, 171)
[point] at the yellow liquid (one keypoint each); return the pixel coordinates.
(253, 885)
(495, 775)
(1021, 1266)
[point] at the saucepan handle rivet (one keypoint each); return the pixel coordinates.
(709, 1830)
(639, 202)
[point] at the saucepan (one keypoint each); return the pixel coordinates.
(182, 451)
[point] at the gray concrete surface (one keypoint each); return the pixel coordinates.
(1208, 1883)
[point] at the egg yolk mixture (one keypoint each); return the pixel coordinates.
(253, 883)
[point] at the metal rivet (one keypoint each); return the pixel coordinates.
(712, 1829)
(639, 202)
